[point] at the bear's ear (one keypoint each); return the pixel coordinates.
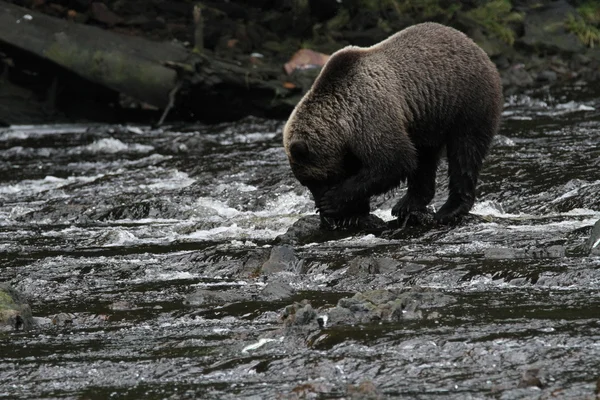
(299, 150)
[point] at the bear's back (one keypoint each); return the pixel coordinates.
(439, 72)
(430, 72)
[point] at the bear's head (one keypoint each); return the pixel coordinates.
(318, 151)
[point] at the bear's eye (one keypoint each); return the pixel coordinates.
(299, 151)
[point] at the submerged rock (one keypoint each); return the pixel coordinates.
(389, 305)
(276, 290)
(496, 253)
(206, 297)
(362, 266)
(14, 312)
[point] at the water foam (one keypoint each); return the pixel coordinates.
(112, 146)
(34, 186)
(175, 180)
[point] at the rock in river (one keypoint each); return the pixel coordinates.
(594, 240)
(14, 312)
(389, 305)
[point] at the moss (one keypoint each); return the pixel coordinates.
(590, 12)
(586, 32)
(495, 17)
(6, 301)
(586, 24)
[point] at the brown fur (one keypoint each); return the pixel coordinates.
(379, 115)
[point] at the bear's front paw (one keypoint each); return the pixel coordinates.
(407, 206)
(330, 204)
(451, 216)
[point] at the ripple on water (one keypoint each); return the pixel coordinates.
(92, 216)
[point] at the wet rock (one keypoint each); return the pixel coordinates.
(301, 231)
(55, 211)
(593, 243)
(500, 253)
(388, 305)
(299, 314)
(555, 251)
(361, 266)
(366, 390)
(313, 228)
(581, 194)
(253, 263)
(545, 29)
(205, 297)
(531, 378)
(276, 290)
(14, 312)
(282, 258)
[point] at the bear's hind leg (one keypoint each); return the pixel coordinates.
(421, 184)
(465, 158)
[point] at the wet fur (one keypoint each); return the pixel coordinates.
(378, 116)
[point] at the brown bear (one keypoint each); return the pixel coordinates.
(384, 114)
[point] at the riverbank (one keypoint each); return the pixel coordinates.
(532, 46)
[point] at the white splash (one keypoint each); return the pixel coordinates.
(33, 186)
(112, 146)
(261, 342)
(176, 180)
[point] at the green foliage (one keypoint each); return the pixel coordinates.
(427, 9)
(586, 24)
(341, 20)
(590, 12)
(495, 16)
(421, 9)
(586, 32)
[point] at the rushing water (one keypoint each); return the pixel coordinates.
(108, 229)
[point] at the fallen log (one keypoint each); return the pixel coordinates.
(127, 64)
(163, 74)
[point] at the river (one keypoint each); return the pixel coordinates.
(118, 236)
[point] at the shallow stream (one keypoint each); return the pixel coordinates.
(116, 234)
